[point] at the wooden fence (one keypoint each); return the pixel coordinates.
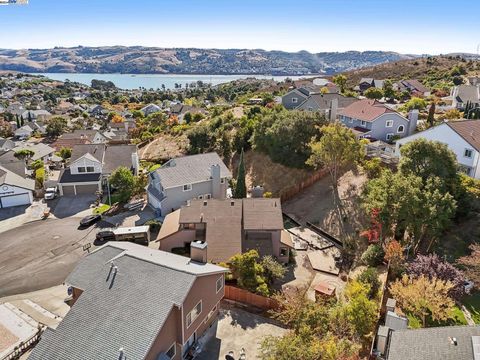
(290, 192)
(246, 297)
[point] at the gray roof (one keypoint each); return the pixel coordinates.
(324, 101)
(12, 163)
(433, 343)
(10, 178)
(40, 150)
(190, 169)
(118, 155)
(465, 93)
(96, 150)
(126, 310)
(67, 177)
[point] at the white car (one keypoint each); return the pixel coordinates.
(50, 193)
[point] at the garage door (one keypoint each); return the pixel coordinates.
(15, 200)
(68, 190)
(86, 189)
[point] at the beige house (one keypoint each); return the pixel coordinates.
(134, 302)
(228, 227)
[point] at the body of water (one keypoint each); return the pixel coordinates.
(155, 81)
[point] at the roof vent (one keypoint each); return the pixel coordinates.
(121, 354)
(453, 341)
(232, 203)
(205, 203)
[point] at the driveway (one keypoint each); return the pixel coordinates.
(41, 254)
(237, 329)
(66, 206)
(18, 215)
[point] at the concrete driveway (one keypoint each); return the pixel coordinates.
(66, 206)
(41, 254)
(18, 215)
(237, 329)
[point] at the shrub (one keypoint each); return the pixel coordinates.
(370, 276)
(372, 167)
(373, 256)
(39, 177)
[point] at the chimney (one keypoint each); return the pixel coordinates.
(135, 162)
(121, 354)
(198, 251)
(257, 191)
(216, 182)
(333, 110)
(413, 119)
(390, 306)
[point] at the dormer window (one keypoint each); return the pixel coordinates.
(187, 187)
(294, 100)
(468, 153)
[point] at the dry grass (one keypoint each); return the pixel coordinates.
(163, 148)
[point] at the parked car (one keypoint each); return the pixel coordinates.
(90, 220)
(50, 193)
(105, 235)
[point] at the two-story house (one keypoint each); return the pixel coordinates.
(133, 302)
(227, 227)
(179, 180)
(373, 120)
(462, 137)
(91, 164)
(294, 98)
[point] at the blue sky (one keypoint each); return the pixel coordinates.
(407, 26)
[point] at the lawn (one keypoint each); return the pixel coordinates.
(101, 209)
(458, 319)
(472, 303)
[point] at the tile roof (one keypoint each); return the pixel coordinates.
(190, 169)
(123, 310)
(433, 343)
(469, 130)
(366, 110)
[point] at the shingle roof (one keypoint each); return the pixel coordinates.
(96, 150)
(10, 178)
(366, 110)
(417, 85)
(324, 100)
(40, 150)
(125, 310)
(10, 162)
(433, 343)
(116, 156)
(469, 130)
(67, 177)
(262, 214)
(190, 169)
(465, 93)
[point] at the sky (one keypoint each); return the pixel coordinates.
(405, 26)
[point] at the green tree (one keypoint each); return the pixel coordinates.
(415, 103)
(388, 90)
(24, 154)
(123, 181)
(39, 177)
(56, 126)
(369, 276)
(240, 185)
(37, 164)
(187, 118)
(374, 93)
(423, 297)
(341, 82)
(337, 149)
(272, 269)
(249, 272)
(65, 153)
(431, 115)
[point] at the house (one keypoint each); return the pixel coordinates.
(463, 94)
(15, 190)
(326, 103)
(91, 164)
(134, 302)
(462, 137)
(413, 86)
(97, 111)
(179, 180)
(6, 144)
(64, 107)
(150, 109)
(29, 129)
(40, 151)
(367, 83)
(36, 115)
(228, 227)
(373, 120)
(295, 97)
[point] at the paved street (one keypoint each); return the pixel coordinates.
(40, 254)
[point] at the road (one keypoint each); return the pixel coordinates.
(40, 254)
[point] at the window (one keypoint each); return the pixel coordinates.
(294, 100)
(211, 313)
(468, 153)
(192, 315)
(283, 251)
(90, 169)
(187, 187)
(389, 136)
(222, 181)
(401, 129)
(389, 123)
(172, 351)
(81, 169)
(364, 123)
(219, 283)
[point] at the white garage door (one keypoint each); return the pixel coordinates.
(15, 200)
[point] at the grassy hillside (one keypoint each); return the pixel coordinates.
(435, 72)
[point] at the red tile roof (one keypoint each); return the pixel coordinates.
(366, 110)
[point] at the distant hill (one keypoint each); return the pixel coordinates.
(433, 71)
(143, 60)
